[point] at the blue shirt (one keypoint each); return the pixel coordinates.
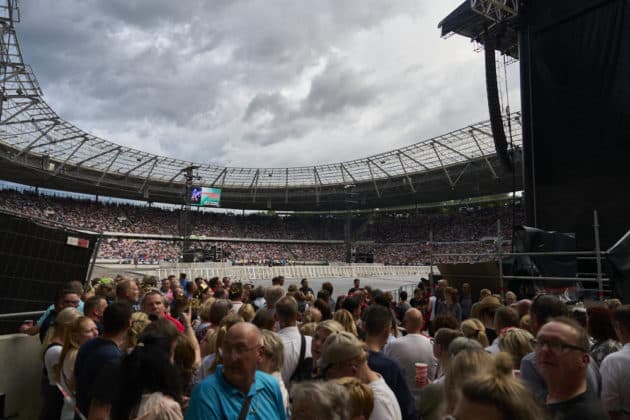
(214, 398)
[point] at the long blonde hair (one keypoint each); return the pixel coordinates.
(474, 328)
(70, 349)
(345, 318)
(62, 325)
(226, 323)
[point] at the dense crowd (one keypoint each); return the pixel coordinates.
(178, 348)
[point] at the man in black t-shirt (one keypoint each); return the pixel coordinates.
(357, 286)
(562, 360)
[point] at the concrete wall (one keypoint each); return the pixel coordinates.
(20, 374)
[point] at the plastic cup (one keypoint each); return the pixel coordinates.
(516, 373)
(422, 373)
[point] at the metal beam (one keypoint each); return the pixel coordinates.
(126, 174)
(106, 171)
(59, 141)
(494, 174)
(381, 169)
(106, 152)
(30, 145)
(146, 178)
(451, 149)
(343, 168)
(448, 176)
(402, 165)
(218, 177)
(378, 193)
(26, 107)
(76, 149)
(33, 120)
(413, 160)
(254, 185)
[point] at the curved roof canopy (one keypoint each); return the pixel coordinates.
(41, 148)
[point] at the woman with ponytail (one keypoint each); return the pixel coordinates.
(474, 328)
(494, 394)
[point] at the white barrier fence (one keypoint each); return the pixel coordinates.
(293, 271)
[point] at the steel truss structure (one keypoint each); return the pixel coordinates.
(40, 148)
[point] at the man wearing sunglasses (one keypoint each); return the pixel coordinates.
(562, 360)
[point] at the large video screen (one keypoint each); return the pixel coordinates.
(203, 196)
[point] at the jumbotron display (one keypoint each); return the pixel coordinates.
(205, 197)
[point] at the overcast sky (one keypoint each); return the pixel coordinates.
(256, 83)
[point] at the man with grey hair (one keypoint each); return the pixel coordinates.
(322, 400)
(237, 389)
(295, 344)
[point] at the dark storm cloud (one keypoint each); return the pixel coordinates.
(253, 82)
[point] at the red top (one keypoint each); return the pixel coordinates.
(179, 325)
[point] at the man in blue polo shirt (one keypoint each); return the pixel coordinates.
(236, 390)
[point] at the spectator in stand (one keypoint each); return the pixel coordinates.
(96, 353)
(237, 389)
(600, 328)
(615, 369)
(378, 322)
(94, 308)
(542, 310)
(153, 305)
(295, 344)
(345, 355)
(411, 349)
(562, 360)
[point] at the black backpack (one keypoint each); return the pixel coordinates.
(304, 369)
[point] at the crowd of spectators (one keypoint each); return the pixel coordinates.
(215, 348)
(395, 238)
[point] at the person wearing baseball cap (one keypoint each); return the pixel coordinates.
(345, 355)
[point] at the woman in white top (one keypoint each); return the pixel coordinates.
(82, 330)
(53, 345)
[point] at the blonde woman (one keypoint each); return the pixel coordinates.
(247, 312)
(497, 393)
(273, 361)
(324, 329)
(517, 342)
(361, 397)
(474, 328)
(344, 317)
(139, 321)
(82, 330)
(55, 337)
(210, 362)
(464, 365)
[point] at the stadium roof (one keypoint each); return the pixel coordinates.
(40, 148)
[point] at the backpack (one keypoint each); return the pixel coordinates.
(303, 370)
